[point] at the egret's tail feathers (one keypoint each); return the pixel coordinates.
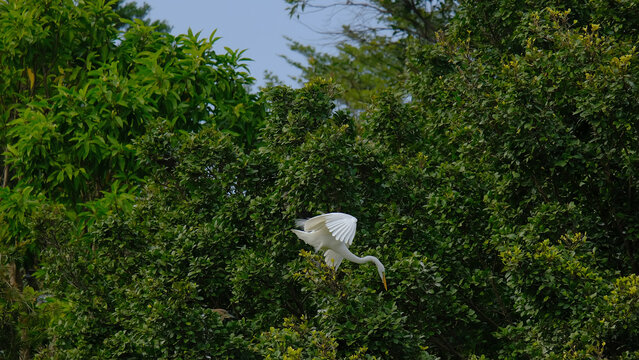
(309, 238)
(333, 259)
(300, 223)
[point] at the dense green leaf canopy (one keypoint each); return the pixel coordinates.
(497, 182)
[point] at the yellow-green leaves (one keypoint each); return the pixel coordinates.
(31, 78)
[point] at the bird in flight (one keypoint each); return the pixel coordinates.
(333, 233)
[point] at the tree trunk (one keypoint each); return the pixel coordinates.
(25, 352)
(15, 281)
(5, 172)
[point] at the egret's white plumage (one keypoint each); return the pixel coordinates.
(334, 233)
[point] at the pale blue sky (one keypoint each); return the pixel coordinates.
(256, 25)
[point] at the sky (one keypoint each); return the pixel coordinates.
(256, 25)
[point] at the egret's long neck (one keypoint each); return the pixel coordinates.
(348, 255)
(362, 260)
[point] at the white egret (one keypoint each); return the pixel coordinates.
(333, 233)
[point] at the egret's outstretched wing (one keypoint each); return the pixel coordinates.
(342, 226)
(313, 224)
(309, 238)
(300, 223)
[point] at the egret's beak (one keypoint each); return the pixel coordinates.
(384, 281)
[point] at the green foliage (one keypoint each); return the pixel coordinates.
(419, 19)
(77, 94)
(370, 52)
(79, 137)
(210, 230)
(152, 278)
(498, 185)
(362, 70)
(131, 10)
(15, 210)
(356, 314)
(296, 340)
(527, 108)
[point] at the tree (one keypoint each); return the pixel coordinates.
(131, 11)
(77, 94)
(497, 184)
(527, 106)
(210, 229)
(371, 52)
(419, 19)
